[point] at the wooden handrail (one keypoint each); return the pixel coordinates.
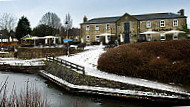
(67, 63)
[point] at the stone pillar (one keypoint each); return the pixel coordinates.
(106, 39)
(82, 41)
(121, 38)
(54, 40)
(46, 41)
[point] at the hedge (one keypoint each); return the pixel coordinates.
(167, 61)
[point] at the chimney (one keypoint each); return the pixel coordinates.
(85, 19)
(181, 12)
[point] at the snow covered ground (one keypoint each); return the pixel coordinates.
(89, 59)
(109, 90)
(16, 62)
(3, 52)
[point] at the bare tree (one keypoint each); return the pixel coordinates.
(52, 20)
(68, 22)
(7, 22)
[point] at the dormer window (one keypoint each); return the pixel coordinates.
(87, 27)
(108, 26)
(175, 22)
(148, 24)
(96, 27)
(162, 23)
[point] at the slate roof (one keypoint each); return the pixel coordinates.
(158, 16)
(102, 20)
(138, 17)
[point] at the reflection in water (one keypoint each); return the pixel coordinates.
(58, 97)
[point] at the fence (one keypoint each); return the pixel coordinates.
(67, 63)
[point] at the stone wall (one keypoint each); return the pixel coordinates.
(133, 31)
(136, 27)
(93, 33)
(29, 53)
(155, 24)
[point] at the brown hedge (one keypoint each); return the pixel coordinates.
(167, 61)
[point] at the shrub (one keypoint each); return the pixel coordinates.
(162, 61)
(74, 42)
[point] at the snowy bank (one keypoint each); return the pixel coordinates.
(103, 90)
(89, 59)
(21, 62)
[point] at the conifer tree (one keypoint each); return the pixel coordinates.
(23, 28)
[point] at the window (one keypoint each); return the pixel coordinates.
(162, 36)
(98, 38)
(109, 37)
(175, 36)
(148, 37)
(87, 38)
(175, 22)
(87, 27)
(96, 27)
(108, 26)
(148, 24)
(162, 23)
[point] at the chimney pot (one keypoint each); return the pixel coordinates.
(85, 19)
(181, 12)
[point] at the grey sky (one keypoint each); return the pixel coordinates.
(35, 9)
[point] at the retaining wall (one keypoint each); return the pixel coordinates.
(29, 53)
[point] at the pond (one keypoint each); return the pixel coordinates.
(58, 97)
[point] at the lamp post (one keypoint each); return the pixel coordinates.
(66, 23)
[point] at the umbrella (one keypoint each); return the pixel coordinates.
(150, 32)
(106, 34)
(48, 37)
(174, 31)
(34, 37)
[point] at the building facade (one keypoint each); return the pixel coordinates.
(133, 28)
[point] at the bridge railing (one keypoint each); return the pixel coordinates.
(66, 63)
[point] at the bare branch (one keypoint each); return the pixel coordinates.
(7, 21)
(52, 20)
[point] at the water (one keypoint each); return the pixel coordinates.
(58, 97)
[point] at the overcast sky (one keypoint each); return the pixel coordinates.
(35, 9)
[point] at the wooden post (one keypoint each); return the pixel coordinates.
(83, 71)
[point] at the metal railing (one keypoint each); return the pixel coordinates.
(66, 63)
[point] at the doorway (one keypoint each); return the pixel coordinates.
(127, 29)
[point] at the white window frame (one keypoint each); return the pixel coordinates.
(162, 35)
(175, 35)
(97, 27)
(148, 24)
(148, 37)
(175, 23)
(109, 37)
(87, 27)
(97, 38)
(108, 28)
(88, 38)
(162, 24)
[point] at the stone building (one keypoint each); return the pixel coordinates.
(133, 28)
